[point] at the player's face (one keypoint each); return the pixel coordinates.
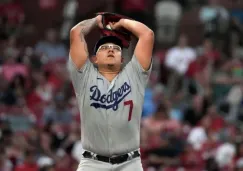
(109, 54)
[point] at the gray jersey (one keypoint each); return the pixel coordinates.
(110, 111)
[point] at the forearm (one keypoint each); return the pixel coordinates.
(136, 28)
(83, 28)
(77, 40)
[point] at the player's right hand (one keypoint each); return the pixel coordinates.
(99, 21)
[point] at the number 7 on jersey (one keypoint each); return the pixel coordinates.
(130, 103)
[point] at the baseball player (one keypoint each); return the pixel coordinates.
(110, 97)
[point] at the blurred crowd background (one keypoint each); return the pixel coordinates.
(193, 111)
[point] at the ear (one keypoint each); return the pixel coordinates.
(122, 60)
(94, 59)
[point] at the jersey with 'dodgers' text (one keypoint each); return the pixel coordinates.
(110, 111)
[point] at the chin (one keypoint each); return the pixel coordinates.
(107, 64)
(110, 65)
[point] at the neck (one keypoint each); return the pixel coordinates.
(109, 75)
(109, 72)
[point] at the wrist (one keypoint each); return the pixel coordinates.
(123, 22)
(128, 24)
(98, 19)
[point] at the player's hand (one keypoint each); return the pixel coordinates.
(99, 21)
(116, 25)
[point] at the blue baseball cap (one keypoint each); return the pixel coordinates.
(108, 39)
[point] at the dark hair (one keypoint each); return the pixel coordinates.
(2, 149)
(21, 79)
(46, 168)
(162, 107)
(30, 151)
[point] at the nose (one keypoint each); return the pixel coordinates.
(110, 49)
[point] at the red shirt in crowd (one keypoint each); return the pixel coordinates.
(201, 62)
(13, 11)
(27, 167)
(196, 66)
(134, 5)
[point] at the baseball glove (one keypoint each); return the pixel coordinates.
(122, 34)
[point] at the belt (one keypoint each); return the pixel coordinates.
(112, 160)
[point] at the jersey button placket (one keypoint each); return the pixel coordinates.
(108, 126)
(109, 116)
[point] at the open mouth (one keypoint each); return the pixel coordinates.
(112, 56)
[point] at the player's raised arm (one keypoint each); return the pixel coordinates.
(144, 47)
(78, 47)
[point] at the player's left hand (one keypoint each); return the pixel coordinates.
(116, 25)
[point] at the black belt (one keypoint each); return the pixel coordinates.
(112, 160)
